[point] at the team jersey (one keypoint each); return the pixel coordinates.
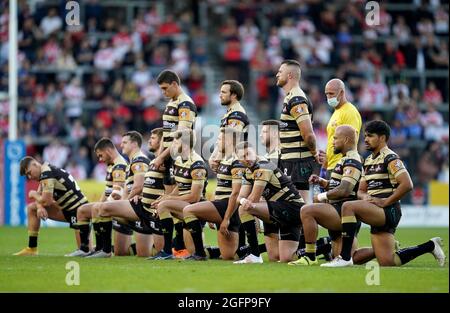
(273, 156)
(153, 186)
(381, 171)
(230, 170)
(62, 186)
(179, 112)
(138, 165)
(349, 169)
(347, 114)
(296, 108)
(277, 186)
(115, 173)
(189, 172)
(235, 117)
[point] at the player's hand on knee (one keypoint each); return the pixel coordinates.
(214, 165)
(320, 156)
(42, 213)
(135, 199)
(224, 227)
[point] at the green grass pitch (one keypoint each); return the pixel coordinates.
(47, 272)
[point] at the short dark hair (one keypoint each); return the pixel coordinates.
(24, 163)
(271, 123)
(379, 128)
(183, 133)
(168, 76)
(235, 88)
(104, 143)
(134, 137)
(157, 131)
(291, 62)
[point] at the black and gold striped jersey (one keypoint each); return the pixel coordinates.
(274, 156)
(349, 169)
(381, 171)
(230, 171)
(62, 186)
(115, 173)
(179, 112)
(189, 172)
(138, 165)
(296, 108)
(235, 117)
(277, 186)
(153, 186)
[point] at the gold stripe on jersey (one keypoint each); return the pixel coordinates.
(138, 165)
(189, 172)
(380, 172)
(115, 173)
(179, 112)
(229, 171)
(62, 186)
(153, 187)
(296, 108)
(349, 168)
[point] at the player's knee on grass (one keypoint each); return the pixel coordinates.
(386, 260)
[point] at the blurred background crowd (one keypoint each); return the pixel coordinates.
(81, 82)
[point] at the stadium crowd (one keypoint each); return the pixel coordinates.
(79, 83)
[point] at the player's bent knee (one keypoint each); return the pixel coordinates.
(32, 207)
(347, 207)
(386, 261)
(306, 210)
(189, 210)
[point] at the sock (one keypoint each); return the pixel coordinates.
(262, 248)
(32, 239)
(242, 251)
(212, 252)
(348, 234)
(98, 236)
(310, 250)
(106, 230)
(252, 237)
(84, 236)
(301, 240)
(241, 236)
(167, 229)
(323, 245)
(132, 249)
(179, 240)
(408, 254)
(195, 228)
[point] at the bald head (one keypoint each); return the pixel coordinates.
(335, 88)
(344, 139)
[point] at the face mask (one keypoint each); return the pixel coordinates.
(333, 102)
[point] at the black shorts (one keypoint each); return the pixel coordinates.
(221, 206)
(393, 214)
(168, 178)
(299, 171)
(271, 228)
(71, 217)
(149, 222)
(287, 215)
(336, 234)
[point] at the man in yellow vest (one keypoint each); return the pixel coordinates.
(344, 113)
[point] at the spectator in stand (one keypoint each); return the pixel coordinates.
(56, 153)
(141, 77)
(412, 121)
(76, 170)
(74, 96)
(51, 23)
(433, 123)
(105, 58)
(432, 95)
